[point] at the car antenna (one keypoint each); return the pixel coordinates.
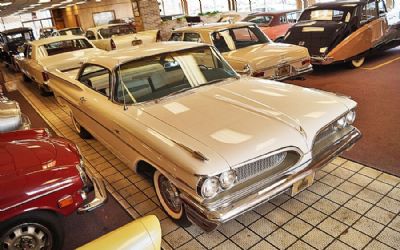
(123, 85)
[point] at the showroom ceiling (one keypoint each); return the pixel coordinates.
(16, 7)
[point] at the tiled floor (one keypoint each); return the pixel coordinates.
(349, 206)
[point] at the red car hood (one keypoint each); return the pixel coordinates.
(27, 152)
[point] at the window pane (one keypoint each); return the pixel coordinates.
(171, 7)
(96, 78)
(193, 7)
(66, 46)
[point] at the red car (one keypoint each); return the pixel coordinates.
(41, 179)
(274, 24)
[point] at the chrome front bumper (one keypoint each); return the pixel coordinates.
(100, 196)
(210, 219)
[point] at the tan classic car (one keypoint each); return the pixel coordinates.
(216, 144)
(61, 52)
(120, 35)
(248, 50)
(346, 31)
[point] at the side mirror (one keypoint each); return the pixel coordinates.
(246, 70)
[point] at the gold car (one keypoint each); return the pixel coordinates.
(248, 50)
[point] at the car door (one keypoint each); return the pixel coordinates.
(95, 110)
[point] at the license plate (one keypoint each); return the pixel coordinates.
(303, 184)
(283, 70)
(136, 42)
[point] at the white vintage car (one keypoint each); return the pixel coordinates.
(216, 144)
(119, 36)
(61, 52)
(248, 50)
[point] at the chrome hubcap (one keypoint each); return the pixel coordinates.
(28, 236)
(170, 194)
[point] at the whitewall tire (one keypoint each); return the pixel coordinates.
(168, 195)
(356, 63)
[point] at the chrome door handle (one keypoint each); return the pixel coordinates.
(82, 99)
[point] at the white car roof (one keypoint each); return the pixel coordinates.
(116, 57)
(55, 39)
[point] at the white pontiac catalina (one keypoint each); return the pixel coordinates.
(216, 144)
(61, 52)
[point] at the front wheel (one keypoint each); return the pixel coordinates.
(168, 196)
(34, 230)
(356, 63)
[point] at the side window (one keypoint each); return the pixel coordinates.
(191, 37)
(382, 7)
(292, 17)
(176, 36)
(90, 35)
(28, 52)
(257, 20)
(283, 19)
(369, 12)
(96, 78)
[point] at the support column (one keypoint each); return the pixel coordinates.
(147, 14)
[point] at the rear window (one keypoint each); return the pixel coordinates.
(16, 37)
(326, 15)
(74, 31)
(117, 30)
(66, 46)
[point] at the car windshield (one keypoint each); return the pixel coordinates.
(336, 15)
(167, 74)
(19, 37)
(237, 38)
(65, 46)
(116, 30)
(73, 31)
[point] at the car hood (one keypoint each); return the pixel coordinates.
(261, 56)
(315, 35)
(39, 155)
(69, 59)
(246, 118)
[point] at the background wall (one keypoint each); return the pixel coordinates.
(83, 14)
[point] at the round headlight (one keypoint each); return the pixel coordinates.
(227, 179)
(350, 117)
(341, 123)
(210, 187)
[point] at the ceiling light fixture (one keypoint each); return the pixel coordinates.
(44, 1)
(81, 2)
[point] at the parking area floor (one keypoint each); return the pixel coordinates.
(350, 206)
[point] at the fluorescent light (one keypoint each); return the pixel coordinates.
(56, 5)
(66, 1)
(81, 2)
(98, 0)
(44, 1)
(36, 4)
(5, 4)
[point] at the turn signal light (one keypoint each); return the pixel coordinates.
(113, 46)
(306, 61)
(258, 74)
(45, 76)
(65, 201)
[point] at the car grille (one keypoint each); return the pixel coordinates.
(256, 167)
(329, 130)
